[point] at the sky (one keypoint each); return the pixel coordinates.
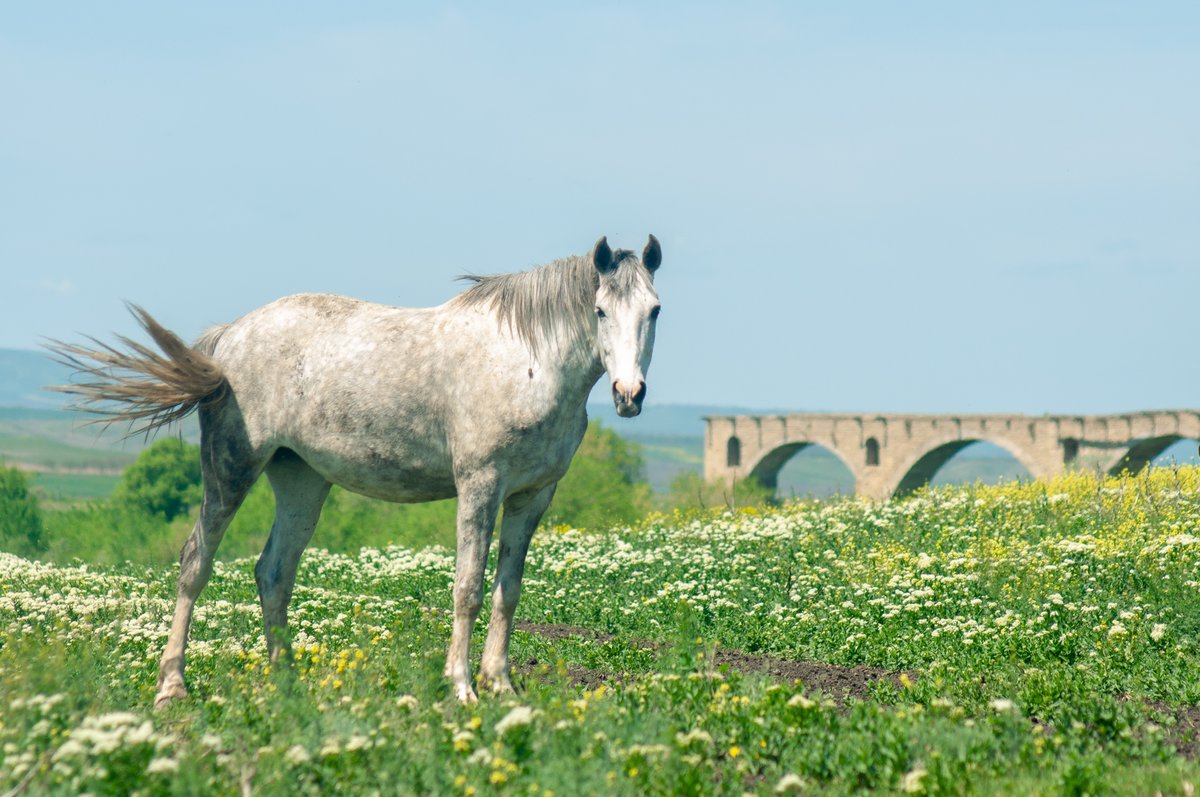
(863, 207)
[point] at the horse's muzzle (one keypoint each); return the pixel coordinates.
(628, 401)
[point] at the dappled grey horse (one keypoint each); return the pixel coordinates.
(482, 398)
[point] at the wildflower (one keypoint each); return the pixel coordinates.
(409, 702)
(800, 701)
(695, 735)
(296, 754)
(1002, 704)
(789, 783)
(735, 751)
(913, 781)
(161, 765)
(519, 716)
(1158, 632)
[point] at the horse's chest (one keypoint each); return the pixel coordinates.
(539, 451)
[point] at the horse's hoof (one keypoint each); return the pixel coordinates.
(501, 686)
(465, 694)
(167, 695)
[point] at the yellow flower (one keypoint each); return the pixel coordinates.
(735, 751)
(498, 777)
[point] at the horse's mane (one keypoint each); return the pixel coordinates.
(551, 306)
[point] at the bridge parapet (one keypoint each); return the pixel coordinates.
(891, 454)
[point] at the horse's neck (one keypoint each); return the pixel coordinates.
(578, 368)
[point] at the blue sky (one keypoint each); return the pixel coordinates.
(863, 206)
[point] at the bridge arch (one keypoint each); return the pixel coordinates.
(920, 469)
(1144, 452)
(766, 470)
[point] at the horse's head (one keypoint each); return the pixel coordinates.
(626, 312)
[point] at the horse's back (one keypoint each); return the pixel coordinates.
(339, 381)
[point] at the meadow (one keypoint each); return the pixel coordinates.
(1020, 639)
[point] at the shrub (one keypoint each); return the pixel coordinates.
(690, 491)
(21, 528)
(604, 485)
(164, 481)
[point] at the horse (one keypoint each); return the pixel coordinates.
(483, 397)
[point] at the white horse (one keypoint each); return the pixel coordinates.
(482, 398)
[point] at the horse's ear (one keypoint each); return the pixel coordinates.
(652, 254)
(602, 256)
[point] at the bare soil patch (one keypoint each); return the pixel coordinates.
(839, 682)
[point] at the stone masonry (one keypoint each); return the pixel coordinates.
(894, 454)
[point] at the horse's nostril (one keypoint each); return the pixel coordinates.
(641, 391)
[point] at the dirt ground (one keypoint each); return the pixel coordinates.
(838, 682)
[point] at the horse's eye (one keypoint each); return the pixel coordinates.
(600, 313)
(654, 312)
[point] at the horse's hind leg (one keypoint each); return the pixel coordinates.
(299, 495)
(229, 472)
(522, 512)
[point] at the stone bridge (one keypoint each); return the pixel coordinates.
(894, 454)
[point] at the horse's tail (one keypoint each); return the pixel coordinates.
(138, 385)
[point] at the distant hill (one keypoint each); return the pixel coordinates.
(24, 375)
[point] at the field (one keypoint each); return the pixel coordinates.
(1020, 639)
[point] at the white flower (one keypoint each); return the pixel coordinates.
(1118, 629)
(141, 734)
(296, 754)
(409, 702)
(161, 765)
(115, 718)
(521, 715)
(800, 701)
(912, 783)
(695, 735)
(1002, 704)
(789, 783)
(1158, 631)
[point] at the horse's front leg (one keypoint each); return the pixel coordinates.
(478, 502)
(522, 512)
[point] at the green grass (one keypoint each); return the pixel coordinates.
(1048, 634)
(44, 452)
(72, 487)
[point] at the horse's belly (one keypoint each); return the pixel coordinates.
(377, 474)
